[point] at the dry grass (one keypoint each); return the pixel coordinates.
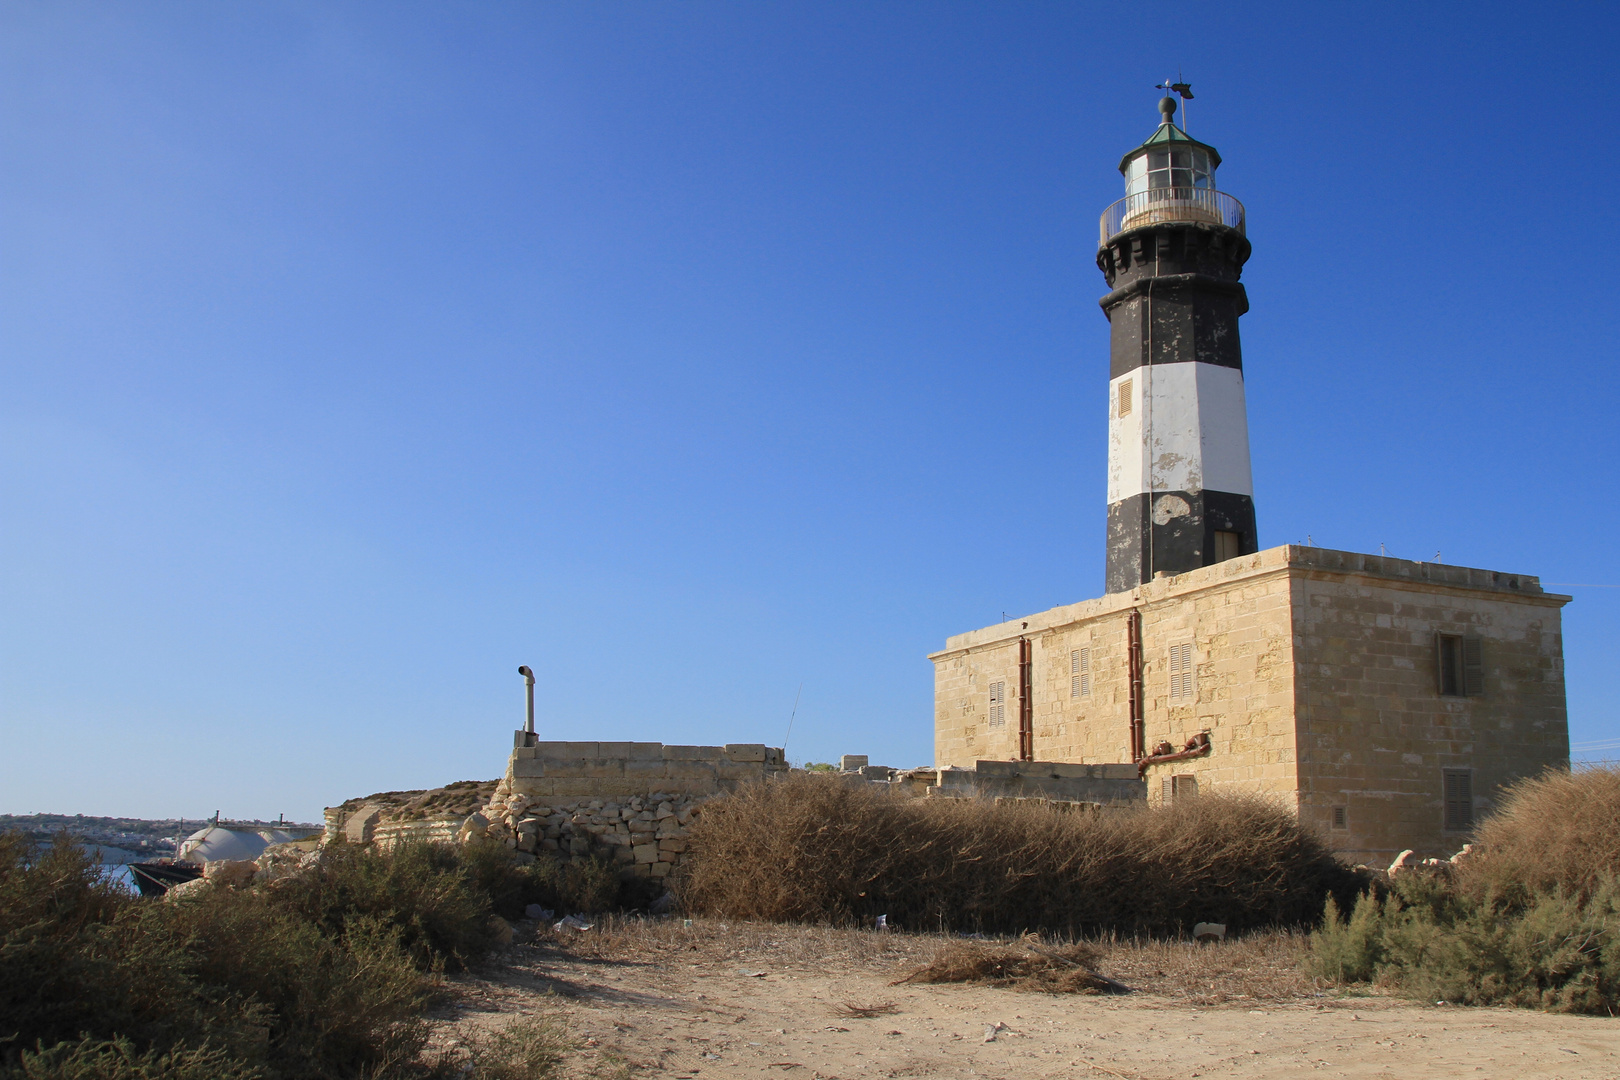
(1559, 831)
(849, 1010)
(1256, 967)
(621, 939)
(819, 849)
(1263, 966)
(1026, 965)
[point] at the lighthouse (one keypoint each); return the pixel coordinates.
(1180, 493)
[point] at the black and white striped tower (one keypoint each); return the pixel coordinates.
(1179, 489)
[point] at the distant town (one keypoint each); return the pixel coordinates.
(146, 837)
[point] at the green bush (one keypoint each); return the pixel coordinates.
(1531, 918)
(580, 885)
(1346, 952)
(1434, 942)
(426, 892)
(117, 1059)
(96, 982)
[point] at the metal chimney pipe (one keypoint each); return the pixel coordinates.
(528, 687)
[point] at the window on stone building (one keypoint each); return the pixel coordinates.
(1228, 545)
(1181, 672)
(1459, 799)
(1180, 787)
(1125, 398)
(998, 704)
(1080, 673)
(1461, 665)
(1341, 817)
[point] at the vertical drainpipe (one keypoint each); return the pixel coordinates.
(1133, 629)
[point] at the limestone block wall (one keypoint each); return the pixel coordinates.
(1314, 673)
(592, 770)
(1049, 781)
(1236, 621)
(1375, 731)
(1237, 618)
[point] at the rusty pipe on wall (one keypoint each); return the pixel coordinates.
(1133, 634)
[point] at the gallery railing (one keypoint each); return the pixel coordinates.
(1158, 205)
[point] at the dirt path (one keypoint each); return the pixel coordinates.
(712, 1002)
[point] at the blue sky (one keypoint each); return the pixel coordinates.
(353, 354)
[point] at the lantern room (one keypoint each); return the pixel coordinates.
(1171, 178)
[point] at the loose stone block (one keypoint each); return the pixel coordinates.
(745, 751)
(645, 853)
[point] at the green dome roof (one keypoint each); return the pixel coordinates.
(1170, 137)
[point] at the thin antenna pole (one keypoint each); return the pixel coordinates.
(790, 720)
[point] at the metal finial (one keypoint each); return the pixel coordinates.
(1167, 107)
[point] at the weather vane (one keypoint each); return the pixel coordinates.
(1183, 90)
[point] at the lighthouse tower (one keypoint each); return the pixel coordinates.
(1180, 494)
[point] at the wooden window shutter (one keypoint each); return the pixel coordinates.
(998, 707)
(1169, 790)
(1074, 673)
(1439, 663)
(1124, 398)
(1473, 665)
(1085, 672)
(1459, 799)
(1181, 671)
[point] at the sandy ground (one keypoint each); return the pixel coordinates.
(711, 1001)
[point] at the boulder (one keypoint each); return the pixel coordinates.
(233, 873)
(472, 829)
(188, 890)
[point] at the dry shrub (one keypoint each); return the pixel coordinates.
(1024, 966)
(1560, 830)
(532, 1048)
(851, 1010)
(821, 849)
